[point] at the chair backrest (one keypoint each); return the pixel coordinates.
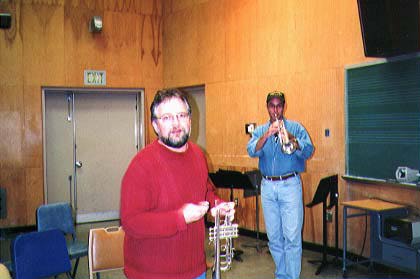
(105, 249)
(4, 272)
(40, 254)
(55, 216)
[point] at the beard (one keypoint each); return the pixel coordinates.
(176, 143)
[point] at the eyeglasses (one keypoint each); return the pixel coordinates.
(181, 116)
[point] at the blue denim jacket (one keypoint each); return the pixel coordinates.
(272, 161)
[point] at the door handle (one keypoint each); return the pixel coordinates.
(79, 164)
(69, 110)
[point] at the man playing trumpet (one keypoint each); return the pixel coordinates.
(282, 147)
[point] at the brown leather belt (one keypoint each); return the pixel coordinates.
(281, 177)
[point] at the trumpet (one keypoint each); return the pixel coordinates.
(223, 253)
(287, 146)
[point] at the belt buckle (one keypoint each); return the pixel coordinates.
(269, 178)
(287, 176)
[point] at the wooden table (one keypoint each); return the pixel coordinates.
(371, 207)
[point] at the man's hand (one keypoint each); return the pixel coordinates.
(225, 209)
(194, 212)
(273, 129)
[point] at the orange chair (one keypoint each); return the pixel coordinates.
(105, 251)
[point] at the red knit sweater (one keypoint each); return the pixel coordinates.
(158, 243)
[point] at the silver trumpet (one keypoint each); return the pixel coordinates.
(287, 147)
(223, 253)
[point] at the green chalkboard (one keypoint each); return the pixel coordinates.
(382, 118)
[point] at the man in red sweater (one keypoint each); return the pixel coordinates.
(165, 194)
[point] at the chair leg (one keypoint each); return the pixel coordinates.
(76, 264)
(98, 276)
(69, 275)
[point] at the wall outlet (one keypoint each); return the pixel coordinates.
(328, 216)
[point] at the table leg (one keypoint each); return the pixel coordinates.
(344, 240)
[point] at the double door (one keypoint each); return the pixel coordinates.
(89, 139)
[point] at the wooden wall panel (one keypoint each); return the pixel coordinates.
(49, 44)
(316, 47)
(274, 39)
(349, 43)
(150, 48)
(211, 43)
(32, 121)
(13, 180)
(11, 138)
(34, 192)
(204, 40)
(241, 40)
(43, 44)
(228, 125)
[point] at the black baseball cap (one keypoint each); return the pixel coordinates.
(275, 94)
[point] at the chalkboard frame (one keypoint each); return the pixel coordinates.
(382, 116)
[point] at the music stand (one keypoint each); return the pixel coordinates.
(232, 180)
(255, 178)
(327, 186)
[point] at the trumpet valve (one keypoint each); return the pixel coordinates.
(226, 232)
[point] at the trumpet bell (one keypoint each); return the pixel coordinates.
(288, 148)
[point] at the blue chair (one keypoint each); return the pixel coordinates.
(59, 216)
(38, 255)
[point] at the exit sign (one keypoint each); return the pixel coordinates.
(92, 77)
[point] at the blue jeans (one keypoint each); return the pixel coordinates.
(283, 215)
